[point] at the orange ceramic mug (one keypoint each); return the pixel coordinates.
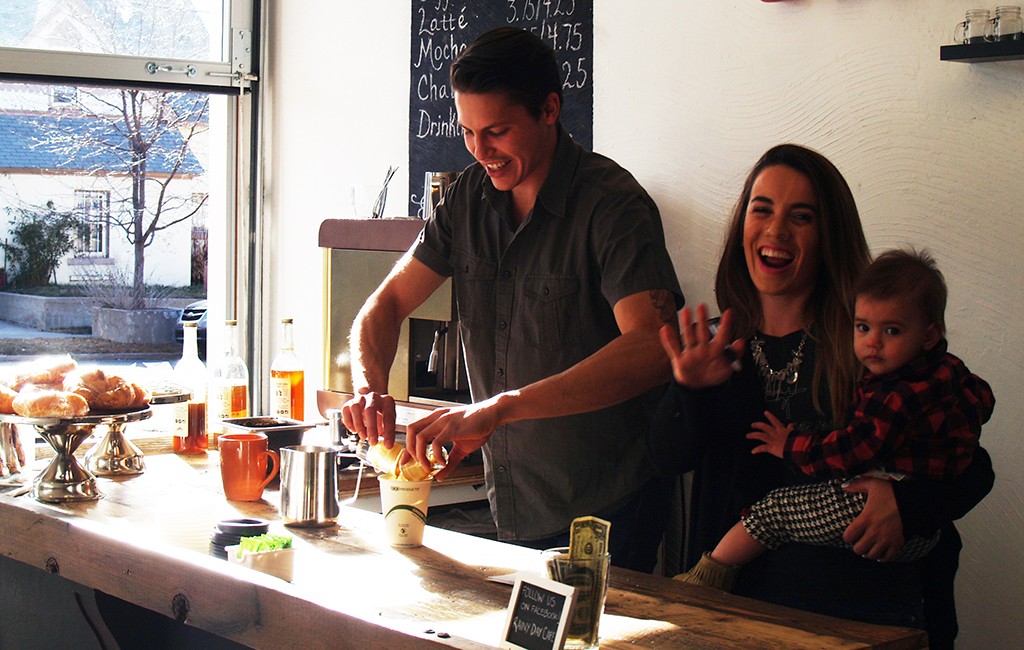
(243, 465)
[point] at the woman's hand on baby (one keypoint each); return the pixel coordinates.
(700, 360)
(772, 434)
(877, 532)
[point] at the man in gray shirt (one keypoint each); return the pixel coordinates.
(562, 281)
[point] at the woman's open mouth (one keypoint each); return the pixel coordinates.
(775, 258)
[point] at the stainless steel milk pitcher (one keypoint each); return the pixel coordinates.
(309, 486)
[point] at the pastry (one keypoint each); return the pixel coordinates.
(389, 461)
(105, 391)
(385, 460)
(7, 395)
(49, 372)
(47, 403)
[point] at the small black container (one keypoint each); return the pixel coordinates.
(230, 531)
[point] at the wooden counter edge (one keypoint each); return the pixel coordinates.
(258, 611)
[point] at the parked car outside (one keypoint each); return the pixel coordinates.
(196, 312)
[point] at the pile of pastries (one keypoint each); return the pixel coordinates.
(58, 388)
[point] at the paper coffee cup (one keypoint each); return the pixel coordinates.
(404, 506)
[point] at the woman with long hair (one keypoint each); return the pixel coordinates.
(793, 253)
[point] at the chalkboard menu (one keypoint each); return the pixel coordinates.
(441, 29)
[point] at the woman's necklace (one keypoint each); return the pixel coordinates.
(774, 380)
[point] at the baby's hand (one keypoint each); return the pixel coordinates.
(772, 434)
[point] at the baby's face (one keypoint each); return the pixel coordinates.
(888, 334)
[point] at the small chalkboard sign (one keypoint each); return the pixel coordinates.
(538, 615)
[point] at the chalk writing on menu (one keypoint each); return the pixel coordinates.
(441, 29)
(537, 615)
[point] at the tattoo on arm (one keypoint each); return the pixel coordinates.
(664, 304)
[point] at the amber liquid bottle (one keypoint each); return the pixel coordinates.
(190, 417)
(229, 384)
(287, 379)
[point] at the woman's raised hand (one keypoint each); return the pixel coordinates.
(698, 359)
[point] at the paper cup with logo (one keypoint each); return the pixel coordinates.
(404, 506)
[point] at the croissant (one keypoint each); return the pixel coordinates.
(48, 372)
(106, 391)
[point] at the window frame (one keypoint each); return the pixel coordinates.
(90, 220)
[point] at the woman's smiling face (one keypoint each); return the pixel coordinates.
(781, 239)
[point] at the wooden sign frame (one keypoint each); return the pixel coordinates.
(546, 594)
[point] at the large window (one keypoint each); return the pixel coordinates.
(125, 138)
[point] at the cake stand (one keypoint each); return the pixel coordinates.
(64, 479)
(116, 455)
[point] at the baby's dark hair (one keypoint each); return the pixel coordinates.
(512, 61)
(909, 274)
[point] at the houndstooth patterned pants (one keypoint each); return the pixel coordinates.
(818, 514)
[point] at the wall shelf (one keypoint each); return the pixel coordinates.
(983, 52)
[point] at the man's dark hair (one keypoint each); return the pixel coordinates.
(511, 61)
(910, 275)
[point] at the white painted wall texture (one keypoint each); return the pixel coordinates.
(687, 95)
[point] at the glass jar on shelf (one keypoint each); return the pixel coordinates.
(1006, 25)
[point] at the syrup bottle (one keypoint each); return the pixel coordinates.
(229, 383)
(287, 379)
(190, 417)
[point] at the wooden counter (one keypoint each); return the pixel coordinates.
(147, 542)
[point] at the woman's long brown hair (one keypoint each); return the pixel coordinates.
(844, 254)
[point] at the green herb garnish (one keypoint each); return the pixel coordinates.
(264, 543)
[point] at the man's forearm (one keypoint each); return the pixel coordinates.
(628, 366)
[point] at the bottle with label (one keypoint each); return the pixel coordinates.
(229, 383)
(287, 378)
(190, 417)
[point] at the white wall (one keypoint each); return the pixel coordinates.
(687, 96)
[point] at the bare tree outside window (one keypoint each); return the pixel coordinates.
(146, 137)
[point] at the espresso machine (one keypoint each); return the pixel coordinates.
(359, 254)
